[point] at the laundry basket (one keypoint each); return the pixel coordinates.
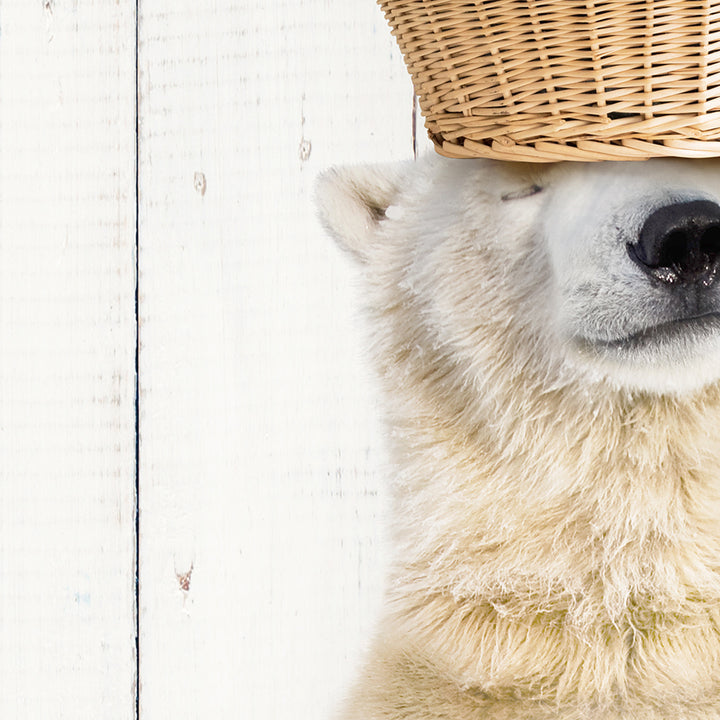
(548, 80)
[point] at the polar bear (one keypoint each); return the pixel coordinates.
(549, 341)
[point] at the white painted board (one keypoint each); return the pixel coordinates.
(67, 360)
(260, 453)
(261, 497)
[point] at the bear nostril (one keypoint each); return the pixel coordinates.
(680, 243)
(710, 242)
(673, 251)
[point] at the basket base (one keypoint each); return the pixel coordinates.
(581, 151)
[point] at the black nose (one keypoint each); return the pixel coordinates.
(680, 243)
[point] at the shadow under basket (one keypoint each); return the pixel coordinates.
(551, 80)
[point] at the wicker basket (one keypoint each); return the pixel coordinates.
(548, 80)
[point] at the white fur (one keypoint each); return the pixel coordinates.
(557, 486)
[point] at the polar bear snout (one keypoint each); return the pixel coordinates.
(680, 244)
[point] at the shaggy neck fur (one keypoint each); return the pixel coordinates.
(559, 535)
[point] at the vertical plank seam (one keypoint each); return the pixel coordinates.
(413, 125)
(137, 359)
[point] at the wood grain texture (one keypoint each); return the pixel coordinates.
(67, 339)
(261, 564)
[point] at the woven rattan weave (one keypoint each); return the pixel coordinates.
(548, 80)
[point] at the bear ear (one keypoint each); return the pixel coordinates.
(352, 201)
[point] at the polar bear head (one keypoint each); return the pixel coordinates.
(549, 340)
(602, 272)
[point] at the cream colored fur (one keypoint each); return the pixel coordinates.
(557, 504)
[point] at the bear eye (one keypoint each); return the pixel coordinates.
(523, 193)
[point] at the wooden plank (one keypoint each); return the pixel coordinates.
(261, 564)
(67, 345)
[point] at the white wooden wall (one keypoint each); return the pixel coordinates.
(257, 466)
